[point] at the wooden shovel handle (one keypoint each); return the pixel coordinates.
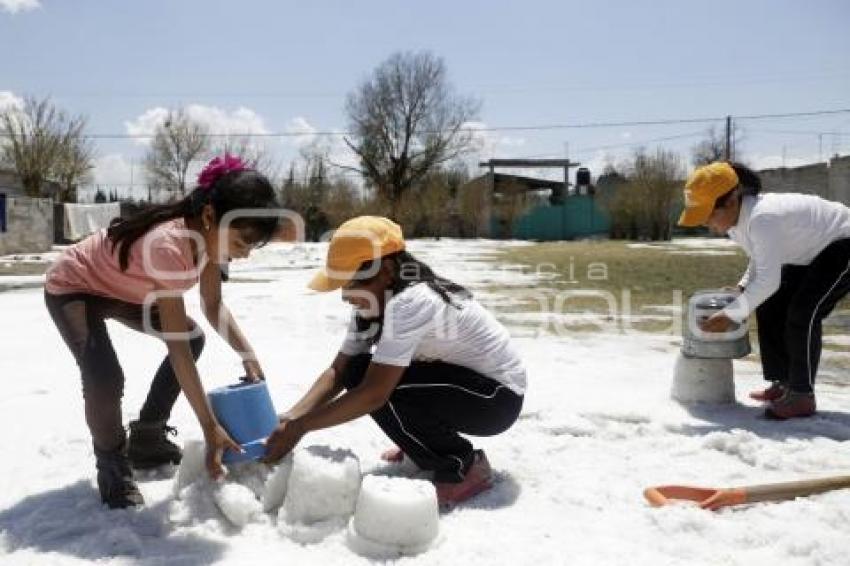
(790, 490)
(712, 498)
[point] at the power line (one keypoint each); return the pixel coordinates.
(529, 128)
(792, 115)
(797, 132)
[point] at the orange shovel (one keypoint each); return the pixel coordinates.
(714, 499)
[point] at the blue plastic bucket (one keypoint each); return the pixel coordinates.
(246, 412)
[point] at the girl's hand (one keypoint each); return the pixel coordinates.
(283, 440)
(253, 371)
(217, 442)
(718, 322)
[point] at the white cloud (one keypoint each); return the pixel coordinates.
(489, 144)
(15, 6)
(306, 132)
(115, 169)
(9, 100)
(145, 125)
(308, 141)
(217, 120)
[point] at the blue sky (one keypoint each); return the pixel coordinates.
(269, 66)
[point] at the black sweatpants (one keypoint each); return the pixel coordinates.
(81, 320)
(790, 321)
(432, 404)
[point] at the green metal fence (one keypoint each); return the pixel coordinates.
(580, 216)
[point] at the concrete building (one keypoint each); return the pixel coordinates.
(830, 180)
(26, 224)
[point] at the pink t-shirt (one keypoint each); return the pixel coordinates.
(161, 260)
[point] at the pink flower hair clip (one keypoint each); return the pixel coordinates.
(220, 166)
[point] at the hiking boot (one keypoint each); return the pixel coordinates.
(792, 405)
(772, 393)
(478, 478)
(393, 455)
(149, 447)
(115, 480)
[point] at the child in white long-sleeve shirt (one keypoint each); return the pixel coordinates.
(799, 250)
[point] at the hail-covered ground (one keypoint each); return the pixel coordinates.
(597, 427)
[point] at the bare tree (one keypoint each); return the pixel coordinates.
(424, 210)
(177, 143)
(37, 139)
(474, 205)
(620, 203)
(341, 200)
(658, 178)
(713, 146)
(74, 164)
(642, 203)
(251, 151)
(406, 120)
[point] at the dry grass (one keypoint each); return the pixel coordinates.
(649, 274)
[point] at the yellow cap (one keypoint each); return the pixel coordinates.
(705, 185)
(355, 242)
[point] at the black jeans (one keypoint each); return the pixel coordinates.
(433, 402)
(81, 320)
(790, 321)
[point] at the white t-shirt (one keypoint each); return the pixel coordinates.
(419, 325)
(777, 229)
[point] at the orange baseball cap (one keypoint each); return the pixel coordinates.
(705, 185)
(355, 242)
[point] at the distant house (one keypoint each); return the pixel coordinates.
(515, 206)
(26, 224)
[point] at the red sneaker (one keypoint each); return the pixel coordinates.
(772, 393)
(393, 455)
(478, 478)
(792, 405)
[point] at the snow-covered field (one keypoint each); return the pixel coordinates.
(691, 246)
(597, 428)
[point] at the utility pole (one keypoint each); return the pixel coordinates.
(728, 137)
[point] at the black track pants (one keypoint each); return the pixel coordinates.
(432, 404)
(790, 321)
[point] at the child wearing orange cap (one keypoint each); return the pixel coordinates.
(422, 357)
(799, 250)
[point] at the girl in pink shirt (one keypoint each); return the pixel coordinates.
(136, 272)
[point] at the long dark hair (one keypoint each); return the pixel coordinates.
(245, 189)
(409, 271)
(749, 183)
